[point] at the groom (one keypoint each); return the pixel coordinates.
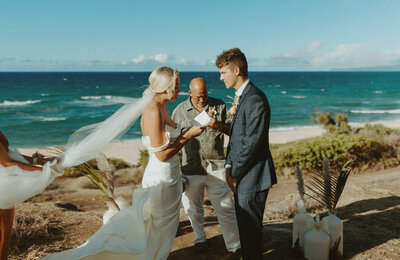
(250, 170)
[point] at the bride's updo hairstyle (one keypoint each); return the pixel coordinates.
(162, 79)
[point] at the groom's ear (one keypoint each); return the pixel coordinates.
(236, 70)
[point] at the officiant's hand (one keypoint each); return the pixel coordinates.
(213, 123)
(219, 126)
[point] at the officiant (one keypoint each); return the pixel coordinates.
(203, 165)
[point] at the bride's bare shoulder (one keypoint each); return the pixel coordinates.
(151, 119)
(151, 112)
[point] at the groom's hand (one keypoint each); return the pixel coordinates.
(232, 183)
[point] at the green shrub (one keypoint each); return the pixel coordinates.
(143, 158)
(75, 172)
(309, 153)
(340, 126)
(380, 132)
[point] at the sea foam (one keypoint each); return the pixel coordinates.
(390, 111)
(99, 101)
(7, 103)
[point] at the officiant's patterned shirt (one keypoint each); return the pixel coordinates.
(207, 148)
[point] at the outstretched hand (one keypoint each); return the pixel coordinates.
(213, 123)
(196, 130)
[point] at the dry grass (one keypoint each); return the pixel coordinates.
(34, 235)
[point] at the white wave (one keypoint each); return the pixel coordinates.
(42, 118)
(96, 97)
(296, 127)
(378, 92)
(99, 101)
(283, 92)
(390, 111)
(186, 93)
(298, 96)
(54, 118)
(44, 95)
(7, 103)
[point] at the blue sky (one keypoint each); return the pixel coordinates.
(275, 35)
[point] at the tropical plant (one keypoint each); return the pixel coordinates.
(86, 169)
(327, 187)
(300, 183)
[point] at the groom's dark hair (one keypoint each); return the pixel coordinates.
(233, 57)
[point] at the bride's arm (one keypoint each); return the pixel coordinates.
(176, 146)
(155, 130)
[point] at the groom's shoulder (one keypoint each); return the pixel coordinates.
(254, 90)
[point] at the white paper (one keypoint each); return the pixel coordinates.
(202, 118)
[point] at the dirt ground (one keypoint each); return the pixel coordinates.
(70, 210)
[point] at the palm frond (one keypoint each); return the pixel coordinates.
(326, 170)
(327, 187)
(300, 183)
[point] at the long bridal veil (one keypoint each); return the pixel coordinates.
(17, 185)
(90, 140)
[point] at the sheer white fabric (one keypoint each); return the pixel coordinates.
(17, 185)
(90, 140)
(138, 232)
(16, 156)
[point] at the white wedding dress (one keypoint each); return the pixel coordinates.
(147, 229)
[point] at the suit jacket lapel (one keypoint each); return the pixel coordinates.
(242, 98)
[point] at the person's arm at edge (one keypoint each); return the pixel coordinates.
(6, 161)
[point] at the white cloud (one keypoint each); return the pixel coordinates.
(160, 58)
(183, 61)
(139, 59)
(341, 54)
(313, 57)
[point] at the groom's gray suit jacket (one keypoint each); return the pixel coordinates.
(248, 148)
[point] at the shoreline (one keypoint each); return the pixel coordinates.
(129, 150)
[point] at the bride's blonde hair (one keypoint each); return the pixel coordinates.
(162, 79)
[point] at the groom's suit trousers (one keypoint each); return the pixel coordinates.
(220, 196)
(250, 211)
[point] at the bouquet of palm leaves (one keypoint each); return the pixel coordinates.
(326, 188)
(300, 227)
(105, 185)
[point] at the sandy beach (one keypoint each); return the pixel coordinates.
(71, 211)
(129, 150)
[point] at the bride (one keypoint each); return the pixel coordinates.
(146, 230)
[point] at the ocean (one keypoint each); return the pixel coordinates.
(44, 109)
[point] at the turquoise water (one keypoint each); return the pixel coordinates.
(43, 109)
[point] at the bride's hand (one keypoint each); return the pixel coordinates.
(195, 131)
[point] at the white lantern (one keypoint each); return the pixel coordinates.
(300, 227)
(316, 242)
(334, 226)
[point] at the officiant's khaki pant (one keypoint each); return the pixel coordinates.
(6, 223)
(221, 199)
